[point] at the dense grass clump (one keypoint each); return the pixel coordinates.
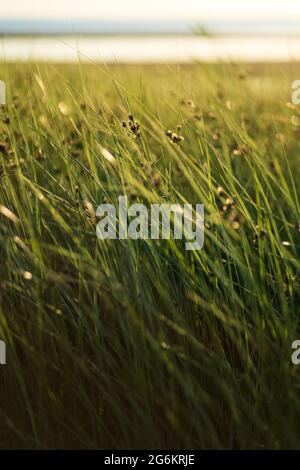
(142, 344)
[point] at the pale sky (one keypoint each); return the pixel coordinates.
(151, 9)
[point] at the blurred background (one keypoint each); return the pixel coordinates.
(150, 31)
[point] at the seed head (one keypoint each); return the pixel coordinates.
(90, 212)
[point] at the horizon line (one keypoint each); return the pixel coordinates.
(11, 26)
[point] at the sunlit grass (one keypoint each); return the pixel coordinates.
(141, 344)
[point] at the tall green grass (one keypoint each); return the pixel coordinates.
(141, 344)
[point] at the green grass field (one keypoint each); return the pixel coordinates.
(123, 344)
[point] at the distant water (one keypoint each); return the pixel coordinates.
(150, 49)
(158, 27)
